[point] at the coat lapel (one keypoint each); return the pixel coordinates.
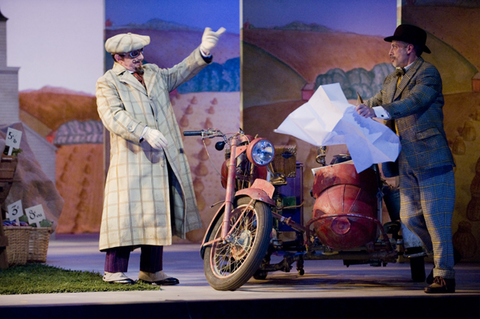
(148, 78)
(407, 77)
(391, 89)
(126, 77)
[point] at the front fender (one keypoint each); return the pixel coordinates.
(259, 191)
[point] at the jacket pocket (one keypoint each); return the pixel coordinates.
(426, 133)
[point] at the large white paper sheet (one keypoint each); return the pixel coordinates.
(328, 119)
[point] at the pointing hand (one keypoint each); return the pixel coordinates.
(210, 39)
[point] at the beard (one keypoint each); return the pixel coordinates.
(139, 70)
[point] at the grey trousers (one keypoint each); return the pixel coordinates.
(427, 203)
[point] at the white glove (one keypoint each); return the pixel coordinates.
(155, 138)
(210, 39)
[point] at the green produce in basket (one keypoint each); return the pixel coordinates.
(46, 223)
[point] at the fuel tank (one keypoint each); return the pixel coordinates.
(341, 194)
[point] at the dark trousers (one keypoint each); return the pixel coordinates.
(151, 258)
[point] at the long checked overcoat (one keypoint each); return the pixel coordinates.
(149, 193)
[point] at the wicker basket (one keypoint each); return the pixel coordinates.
(38, 244)
(8, 165)
(18, 240)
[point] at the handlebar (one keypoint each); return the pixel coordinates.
(193, 133)
(210, 133)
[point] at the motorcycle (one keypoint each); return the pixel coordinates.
(263, 208)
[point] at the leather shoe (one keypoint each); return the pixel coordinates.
(170, 281)
(117, 278)
(157, 278)
(127, 281)
(165, 282)
(441, 285)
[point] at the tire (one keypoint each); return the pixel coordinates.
(229, 265)
(417, 268)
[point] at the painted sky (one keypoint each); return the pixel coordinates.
(371, 17)
(195, 13)
(343, 15)
(60, 43)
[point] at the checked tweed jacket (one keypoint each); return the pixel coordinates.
(138, 194)
(416, 106)
(427, 182)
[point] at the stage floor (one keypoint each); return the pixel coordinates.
(328, 284)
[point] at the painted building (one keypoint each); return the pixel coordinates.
(9, 108)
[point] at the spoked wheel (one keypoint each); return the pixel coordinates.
(231, 263)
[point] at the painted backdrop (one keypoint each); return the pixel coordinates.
(290, 48)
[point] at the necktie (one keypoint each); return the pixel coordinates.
(139, 78)
(399, 72)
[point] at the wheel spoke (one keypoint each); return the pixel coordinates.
(232, 261)
(230, 256)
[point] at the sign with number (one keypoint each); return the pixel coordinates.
(35, 214)
(15, 211)
(13, 138)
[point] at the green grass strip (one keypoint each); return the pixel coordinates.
(43, 279)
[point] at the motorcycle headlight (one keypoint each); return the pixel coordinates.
(260, 152)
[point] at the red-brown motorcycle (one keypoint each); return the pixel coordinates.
(262, 214)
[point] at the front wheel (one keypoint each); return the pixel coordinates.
(230, 263)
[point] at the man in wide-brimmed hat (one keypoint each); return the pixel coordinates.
(149, 194)
(412, 97)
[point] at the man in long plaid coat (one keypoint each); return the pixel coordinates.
(412, 97)
(149, 194)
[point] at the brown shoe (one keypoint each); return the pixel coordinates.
(441, 285)
(456, 259)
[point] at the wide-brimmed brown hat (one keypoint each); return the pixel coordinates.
(410, 34)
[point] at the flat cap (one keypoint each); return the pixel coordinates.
(126, 42)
